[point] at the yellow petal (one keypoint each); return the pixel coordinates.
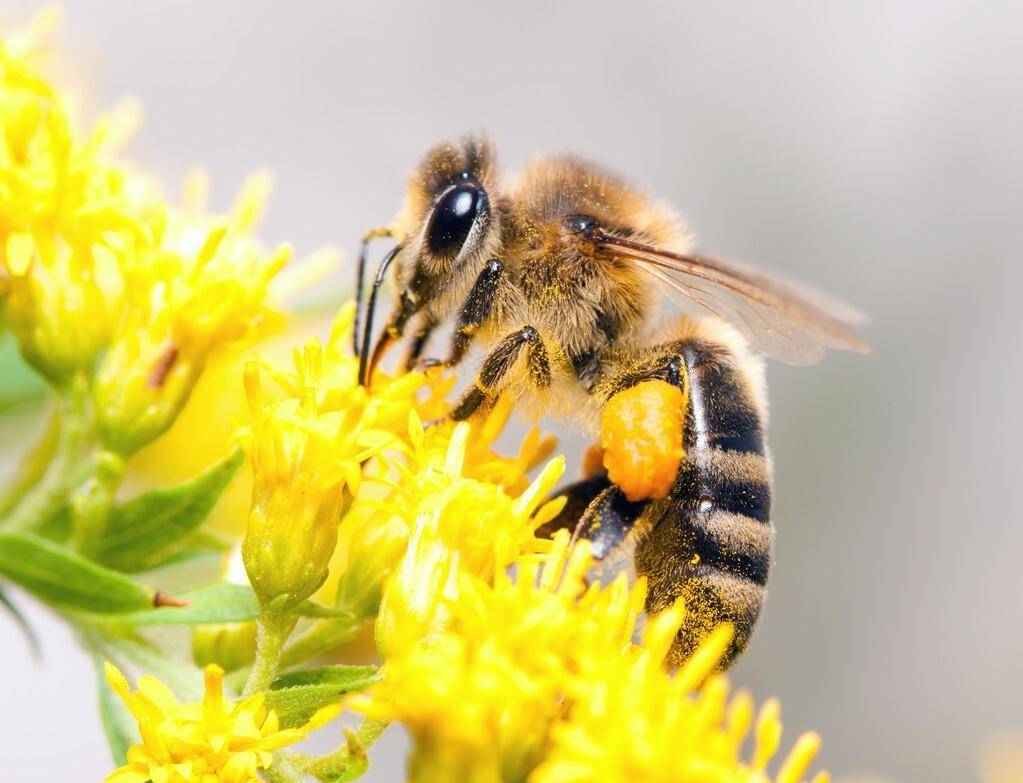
(158, 693)
(129, 773)
(799, 758)
(20, 251)
(116, 680)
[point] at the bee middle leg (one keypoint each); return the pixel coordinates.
(496, 366)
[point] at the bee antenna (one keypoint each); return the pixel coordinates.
(360, 276)
(367, 332)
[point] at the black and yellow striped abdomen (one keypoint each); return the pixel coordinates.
(710, 541)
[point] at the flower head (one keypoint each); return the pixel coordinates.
(214, 741)
(480, 690)
(453, 520)
(536, 677)
(201, 286)
(307, 446)
(630, 719)
(67, 212)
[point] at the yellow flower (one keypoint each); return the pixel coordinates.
(481, 687)
(214, 741)
(306, 448)
(481, 461)
(66, 214)
(374, 533)
(485, 522)
(201, 287)
(449, 515)
(537, 677)
(631, 720)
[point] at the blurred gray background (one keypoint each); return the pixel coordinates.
(870, 148)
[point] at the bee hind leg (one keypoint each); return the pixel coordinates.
(598, 511)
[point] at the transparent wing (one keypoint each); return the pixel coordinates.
(790, 323)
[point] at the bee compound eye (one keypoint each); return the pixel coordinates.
(453, 218)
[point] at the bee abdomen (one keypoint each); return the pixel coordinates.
(722, 413)
(711, 543)
(733, 544)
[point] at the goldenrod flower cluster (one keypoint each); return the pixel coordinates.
(308, 447)
(500, 653)
(536, 677)
(99, 276)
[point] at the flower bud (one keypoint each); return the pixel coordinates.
(181, 307)
(371, 546)
(305, 449)
(140, 389)
(60, 313)
(230, 645)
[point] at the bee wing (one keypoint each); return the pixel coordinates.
(791, 323)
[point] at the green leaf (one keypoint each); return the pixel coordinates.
(119, 726)
(190, 556)
(219, 602)
(23, 623)
(59, 576)
(147, 530)
(57, 527)
(350, 761)
(297, 695)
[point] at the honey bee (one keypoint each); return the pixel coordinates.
(558, 274)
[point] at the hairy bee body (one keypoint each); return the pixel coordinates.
(558, 276)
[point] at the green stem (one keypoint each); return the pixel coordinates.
(69, 467)
(33, 465)
(91, 504)
(320, 638)
(272, 631)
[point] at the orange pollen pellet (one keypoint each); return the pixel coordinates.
(641, 432)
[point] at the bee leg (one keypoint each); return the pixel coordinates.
(578, 497)
(613, 526)
(497, 364)
(418, 345)
(669, 368)
(607, 522)
(473, 314)
(360, 275)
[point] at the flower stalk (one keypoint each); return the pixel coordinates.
(272, 631)
(92, 501)
(69, 466)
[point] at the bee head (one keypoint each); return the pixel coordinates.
(447, 230)
(448, 225)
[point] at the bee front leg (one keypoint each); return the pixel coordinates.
(420, 338)
(477, 308)
(496, 366)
